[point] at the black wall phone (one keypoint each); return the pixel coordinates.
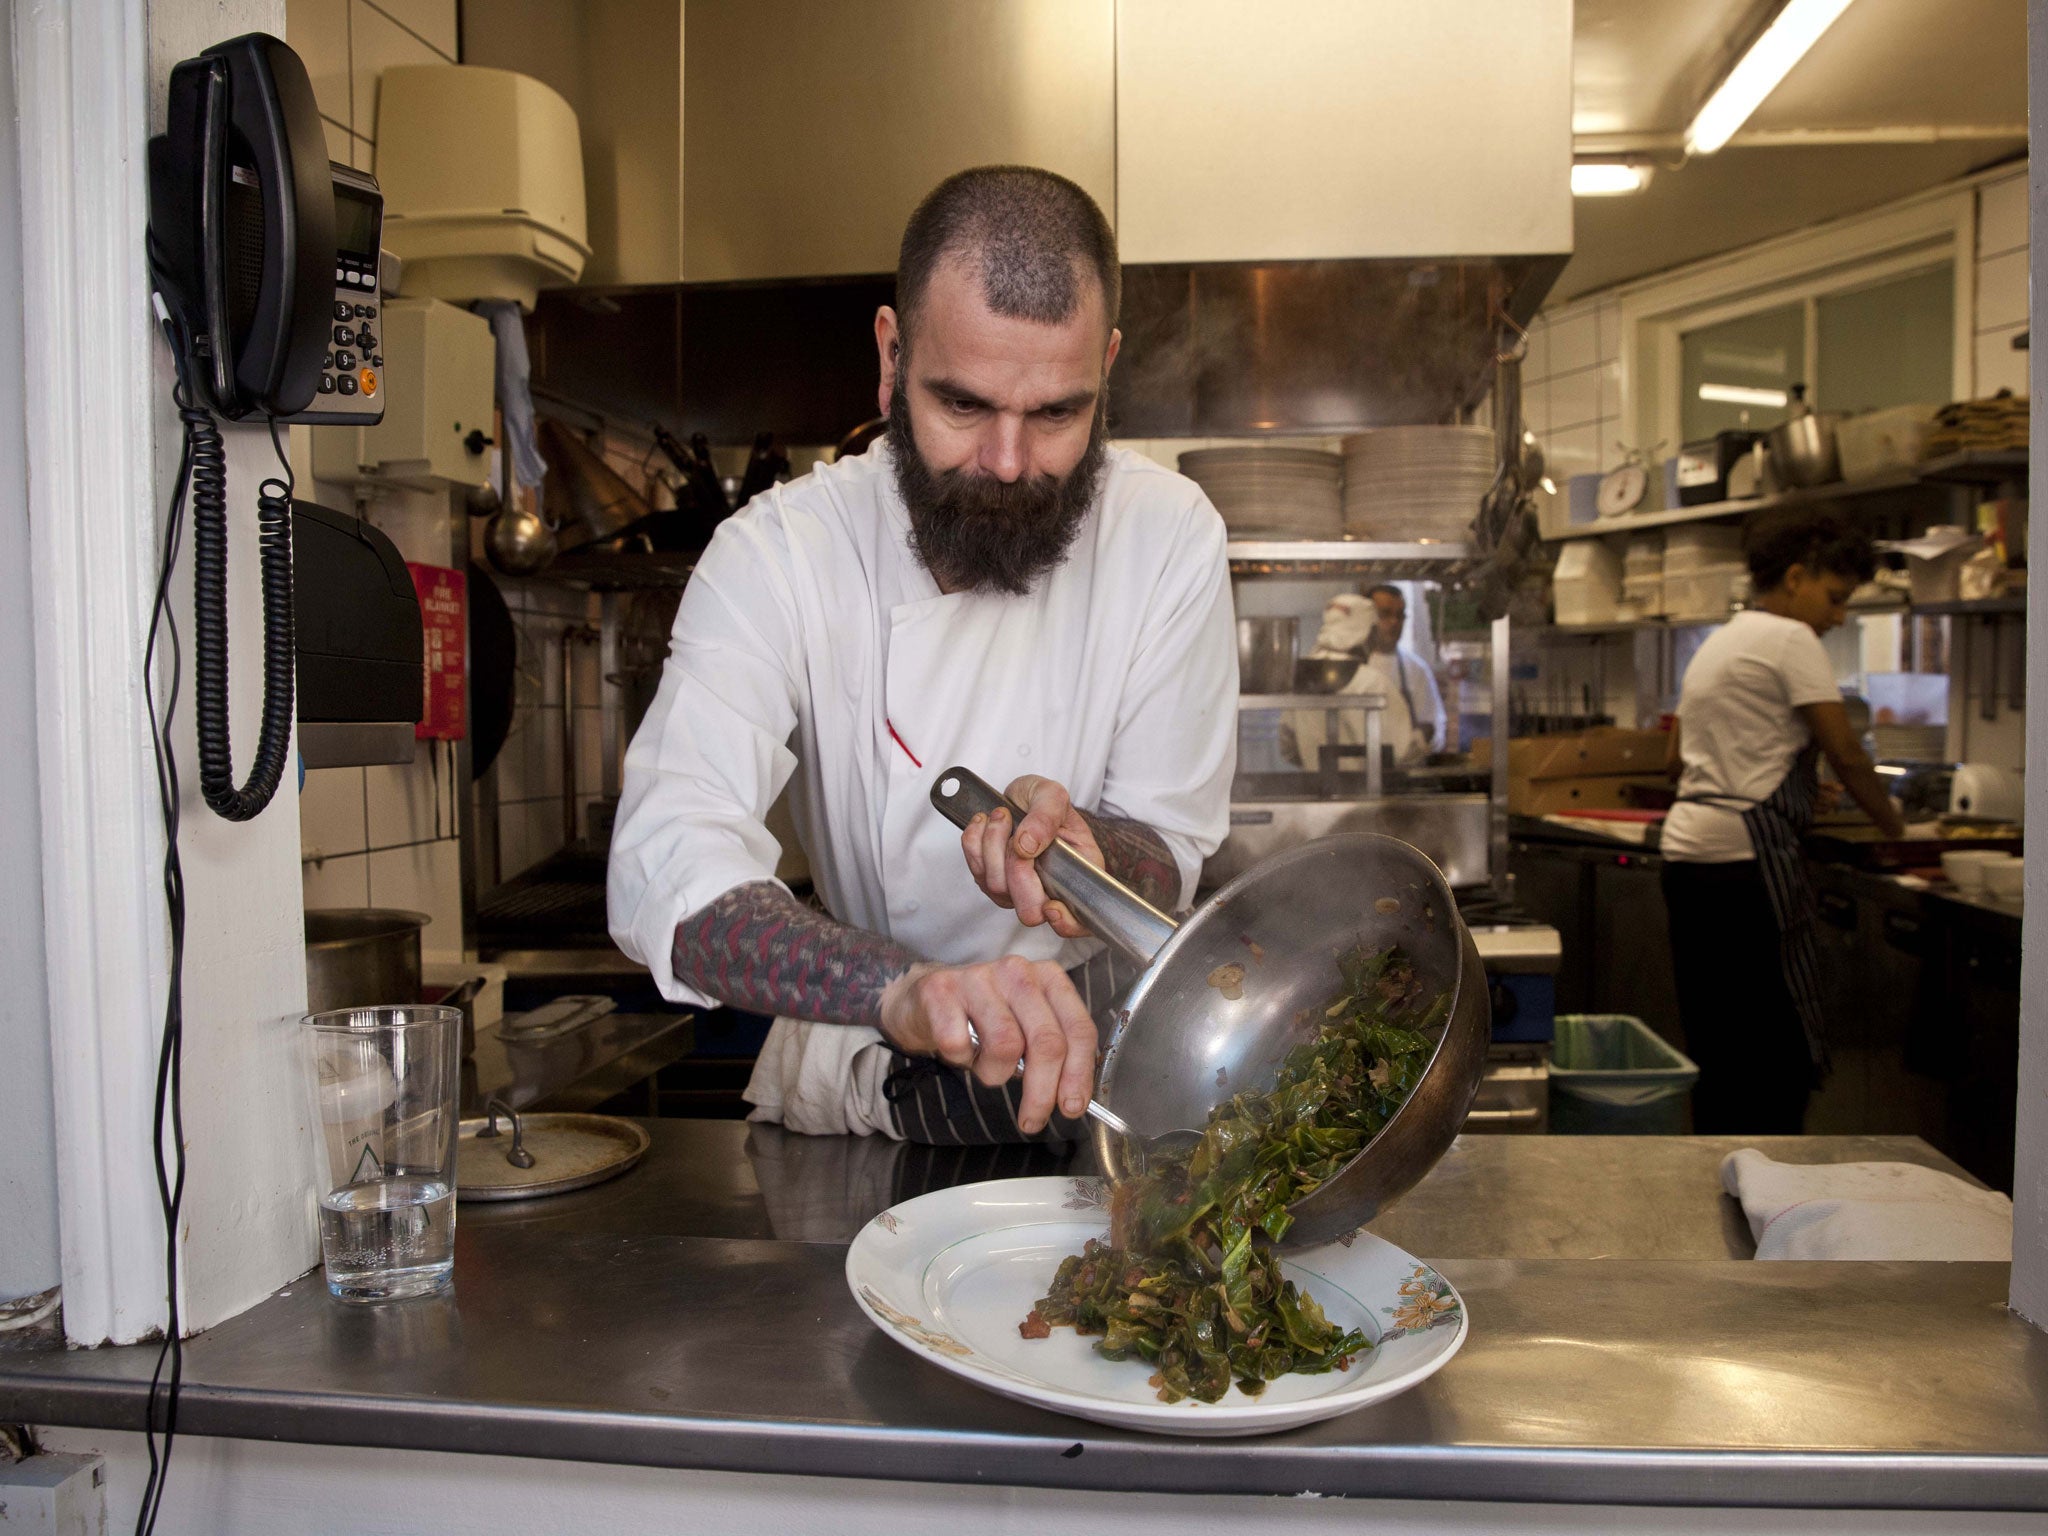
(264, 257)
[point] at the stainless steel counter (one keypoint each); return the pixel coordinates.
(694, 1314)
(1496, 1197)
(576, 1070)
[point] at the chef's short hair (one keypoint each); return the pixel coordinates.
(1032, 233)
(1392, 591)
(1820, 538)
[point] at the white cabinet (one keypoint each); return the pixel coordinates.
(743, 140)
(811, 128)
(1342, 128)
(439, 386)
(619, 64)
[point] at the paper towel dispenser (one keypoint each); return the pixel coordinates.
(482, 173)
(361, 649)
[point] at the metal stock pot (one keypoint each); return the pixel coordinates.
(362, 956)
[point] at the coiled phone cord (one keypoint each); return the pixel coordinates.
(209, 488)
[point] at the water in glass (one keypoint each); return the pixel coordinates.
(386, 1239)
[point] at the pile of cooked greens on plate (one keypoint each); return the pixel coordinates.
(1188, 1280)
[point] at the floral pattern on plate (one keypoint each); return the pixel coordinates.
(1427, 1301)
(930, 1338)
(1086, 1195)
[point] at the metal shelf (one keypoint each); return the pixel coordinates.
(1988, 607)
(1315, 701)
(1978, 468)
(1424, 561)
(1593, 631)
(617, 571)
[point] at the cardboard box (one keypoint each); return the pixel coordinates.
(1600, 792)
(1581, 754)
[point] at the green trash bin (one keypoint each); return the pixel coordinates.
(1611, 1075)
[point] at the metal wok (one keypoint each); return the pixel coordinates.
(1246, 977)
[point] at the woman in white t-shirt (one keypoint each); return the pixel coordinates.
(1759, 705)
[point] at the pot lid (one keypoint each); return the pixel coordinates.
(508, 1156)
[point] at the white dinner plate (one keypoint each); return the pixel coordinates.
(950, 1275)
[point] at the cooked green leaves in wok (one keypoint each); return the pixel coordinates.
(1188, 1281)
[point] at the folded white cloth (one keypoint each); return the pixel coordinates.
(822, 1080)
(1866, 1211)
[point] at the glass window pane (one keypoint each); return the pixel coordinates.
(1764, 352)
(1891, 344)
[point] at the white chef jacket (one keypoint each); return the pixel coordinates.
(1400, 728)
(811, 639)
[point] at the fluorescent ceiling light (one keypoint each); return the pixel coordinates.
(1756, 74)
(1608, 178)
(1742, 394)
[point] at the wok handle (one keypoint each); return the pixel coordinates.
(1111, 910)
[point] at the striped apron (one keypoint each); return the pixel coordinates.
(1776, 827)
(943, 1106)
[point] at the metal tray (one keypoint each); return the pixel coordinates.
(570, 1151)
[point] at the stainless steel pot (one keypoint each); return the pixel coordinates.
(1802, 448)
(359, 957)
(1230, 990)
(1266, 649)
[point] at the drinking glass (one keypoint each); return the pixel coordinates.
(384, 1083)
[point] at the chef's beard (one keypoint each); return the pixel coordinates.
(974, 532)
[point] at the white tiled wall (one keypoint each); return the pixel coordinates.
(1572, 401)
(2001, 283)
(388, 836)
(383, 836)
(1571, 388)
(525, 784)
(347, 44)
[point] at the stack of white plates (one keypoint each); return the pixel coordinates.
(1910, 743)
(1402, 484)
(1276, 493)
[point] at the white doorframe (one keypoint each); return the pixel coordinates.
(103, 447)
(80, 69)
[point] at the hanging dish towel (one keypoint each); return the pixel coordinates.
(822, 1080)
(515, 392)
(1866, 1211)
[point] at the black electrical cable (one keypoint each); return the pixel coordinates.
(202, 480)
(162, 1406)
(209, 491)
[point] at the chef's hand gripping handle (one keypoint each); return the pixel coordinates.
(1111, 910)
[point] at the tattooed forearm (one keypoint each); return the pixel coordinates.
(758, 948)
(1138, 856)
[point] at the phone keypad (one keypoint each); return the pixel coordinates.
(353, 362)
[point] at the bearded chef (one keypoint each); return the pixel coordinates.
(990, 585)
(1367, 627)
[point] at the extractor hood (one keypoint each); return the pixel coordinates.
(1210, 349)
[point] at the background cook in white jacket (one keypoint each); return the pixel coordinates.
(1369, 626)
(850, 640)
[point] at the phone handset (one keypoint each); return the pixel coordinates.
(242, 240)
